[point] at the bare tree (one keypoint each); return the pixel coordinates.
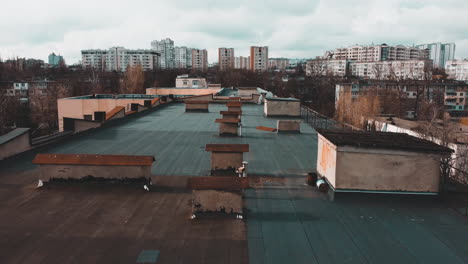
(133, 80)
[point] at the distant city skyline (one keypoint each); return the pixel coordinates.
(291, 29)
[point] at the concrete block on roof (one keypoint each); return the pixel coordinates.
(282, 107)
(80, 166)
(226, 158)
(292, 126)
(216, 201)
(197, 106)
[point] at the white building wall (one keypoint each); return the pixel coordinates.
(457, 69)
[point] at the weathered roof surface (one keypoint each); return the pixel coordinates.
(94, 159)
(13, 134)
(286, 221)
(382, 140)
(296, 224)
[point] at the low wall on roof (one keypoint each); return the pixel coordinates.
(275, 107)
(79, 166)
(182, 91)
(14, 142)
(76, 108)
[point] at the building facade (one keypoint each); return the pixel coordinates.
(258, 58)
(226, 58)
(199, 59)
(165, 47)
(119, 58)
(439, 53)
(373, 53)
(242, 63)
(55, 60)
(183, 57)
(398, 69)
(278, 64)
(457, 69)
(327, 67)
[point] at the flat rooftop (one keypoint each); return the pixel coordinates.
(286, 221)
(382, 140)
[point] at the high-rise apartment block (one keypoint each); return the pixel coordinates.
(183, 57)
(166, 48)
(119, 58)
(258, 58)
(199, 59)
(373, 53)
(226, 58)
(55, 60)
(439, 53)
(242, 63)
(278, 63)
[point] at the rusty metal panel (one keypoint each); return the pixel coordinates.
(85, 159)
(228, 120)
(234, 104)
(231, 112)
(218, 183)
(196, 102)
(227, 147)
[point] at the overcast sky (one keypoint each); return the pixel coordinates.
(291, 28)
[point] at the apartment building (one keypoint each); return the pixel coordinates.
(226, 58)
(119, 58)
(439, 53)
(54, 59)
(278, 64)
(393, 69)
(199, 59)
(242, 62)
(327, 67)
(166, 48)
(258, 58)
(373, 53)
(457, 69)
(183, 57)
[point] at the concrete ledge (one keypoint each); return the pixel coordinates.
(226, 158)
(72, 166)
(14, 142)
(196, 106)
(218, 183)
(292, 126)
(210, 201)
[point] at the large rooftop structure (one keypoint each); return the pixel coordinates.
(286, 221)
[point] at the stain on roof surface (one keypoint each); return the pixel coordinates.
(382, 140)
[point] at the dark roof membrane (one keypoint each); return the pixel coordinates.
(383, 140)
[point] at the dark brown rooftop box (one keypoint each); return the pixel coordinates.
(228, 120)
